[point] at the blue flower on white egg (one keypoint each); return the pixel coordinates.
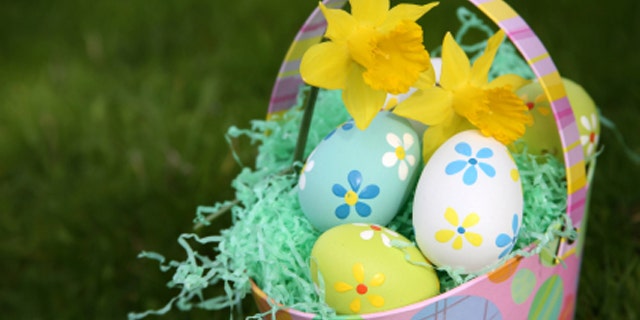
(353, 196)
(399, 154)
(345, 126)
(471, 163)
(506, 241)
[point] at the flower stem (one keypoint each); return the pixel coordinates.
(304, 125)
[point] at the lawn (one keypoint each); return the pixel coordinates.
(112, 122)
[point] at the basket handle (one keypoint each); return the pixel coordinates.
(288, 82)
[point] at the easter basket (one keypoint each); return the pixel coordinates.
(268, 252)
(539, 286)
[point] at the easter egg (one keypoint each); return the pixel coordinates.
(366, 268)
(543, 137)
(358, 175)
(468, 203)
(586, 114)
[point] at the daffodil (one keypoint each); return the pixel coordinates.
(369, 53)
(464, 99)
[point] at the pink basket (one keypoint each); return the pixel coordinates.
(536, 287)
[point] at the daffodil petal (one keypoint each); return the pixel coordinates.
(405, 11)
(362, 102)
(373, 11)
(514, 81)
(426, 79)
(435, 136)
(480, 69)
(431, 106)
(325, 65)
(455, 64)
(340, 23)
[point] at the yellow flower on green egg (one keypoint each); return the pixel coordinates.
(465, 99)
(369, 53)
(362, 289)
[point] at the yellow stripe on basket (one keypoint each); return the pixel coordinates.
(300, 47)
(289, 73)
(554, 84)
(577, 178)
(538, 58)
(498, 10)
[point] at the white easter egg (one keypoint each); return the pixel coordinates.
(358, 175)
(468, 203)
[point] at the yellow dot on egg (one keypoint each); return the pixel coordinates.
(515, 175)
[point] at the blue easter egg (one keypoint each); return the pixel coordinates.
(358, 175)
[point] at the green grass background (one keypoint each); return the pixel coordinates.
(112, 115)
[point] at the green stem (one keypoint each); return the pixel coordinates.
(305, 124)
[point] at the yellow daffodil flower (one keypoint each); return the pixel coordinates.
(465, 99)
(371, 52)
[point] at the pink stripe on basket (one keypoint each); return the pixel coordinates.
(545, 66)
(577, 208)
(317, 31)
(478, 2)
(563, 112)
(287, 90)
(321, 24)
(289, 66)
(531, 48)
(575, 153)
(515, 23)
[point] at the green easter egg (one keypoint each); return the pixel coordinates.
(542, 137)
(586, 114)
(364, 270)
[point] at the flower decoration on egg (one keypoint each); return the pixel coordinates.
(459, 230)
(362, 289)
(535, 104)
(369, 53)
(589, 140)
(353, 196)
(506, 241)
(375, 229)
(399, 154)
(308, 166)
(464, 99)
(345, 126)
(470, 162)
